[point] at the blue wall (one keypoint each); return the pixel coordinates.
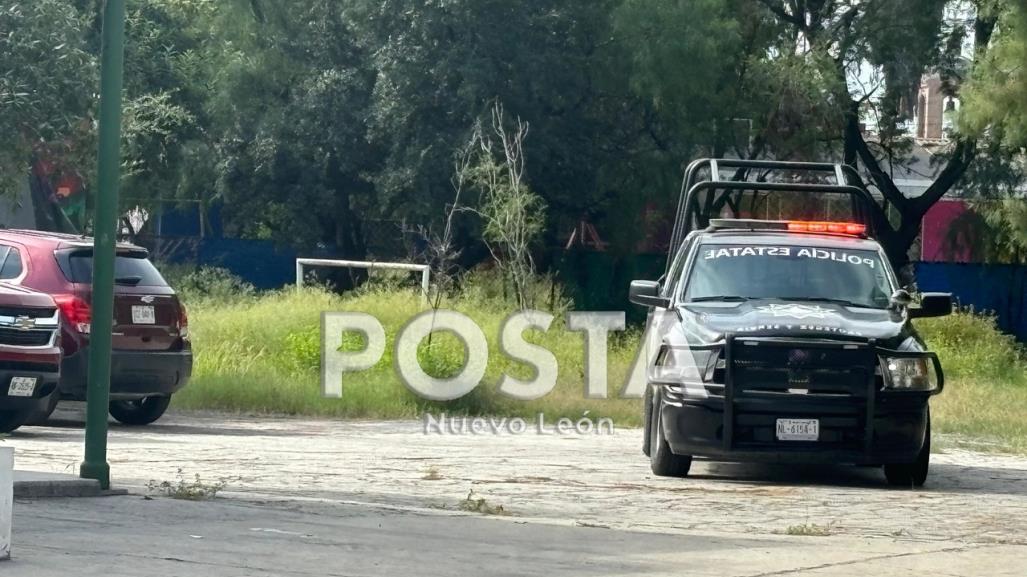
(259, 262)
(1001, 289)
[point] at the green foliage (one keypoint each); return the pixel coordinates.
(311, 120)
(188, 490)
(512, 215)
(972, 348)
(994, 99)
(46, 86)
(206, 284)
(683, 54)
(985, 394)
(246, 363)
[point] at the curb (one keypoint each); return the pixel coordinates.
(30, 485)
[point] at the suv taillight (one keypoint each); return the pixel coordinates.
(76, 310)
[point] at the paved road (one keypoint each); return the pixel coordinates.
(310, 497)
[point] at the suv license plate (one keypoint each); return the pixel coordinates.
(798, 429)
(143, 315)
(22, 387)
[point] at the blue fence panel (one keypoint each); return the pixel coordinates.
(1001, 289)
(260, 263)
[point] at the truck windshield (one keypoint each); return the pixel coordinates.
(737, 272)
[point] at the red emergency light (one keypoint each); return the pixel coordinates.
(848, 228)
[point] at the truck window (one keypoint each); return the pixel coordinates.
(789, 272)
(11, 267)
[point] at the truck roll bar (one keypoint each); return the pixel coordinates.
(691, 216)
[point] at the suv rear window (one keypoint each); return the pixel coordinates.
(129, 268)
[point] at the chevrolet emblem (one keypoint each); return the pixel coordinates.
(24, 323)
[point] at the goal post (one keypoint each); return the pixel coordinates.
(424, 269)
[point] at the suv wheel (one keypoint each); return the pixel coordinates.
(913, 474)
(140, 411)
(11, 420)
(662, 460)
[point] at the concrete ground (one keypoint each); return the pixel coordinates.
(306, 497)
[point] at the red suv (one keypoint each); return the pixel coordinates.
(30, 350)
(151, 358)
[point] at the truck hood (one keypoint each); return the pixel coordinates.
(768, 317)
(12, 295)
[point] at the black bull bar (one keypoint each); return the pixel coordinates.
(841, 374)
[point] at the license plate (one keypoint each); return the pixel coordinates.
(143, 315)
(22, 387)
(798, 429)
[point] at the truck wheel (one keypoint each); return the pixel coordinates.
(139, 412)
(11, 420)
(647, 420)
(912, 474)
(663, 462)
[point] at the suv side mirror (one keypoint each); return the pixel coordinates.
(647, 294)
(932, 305)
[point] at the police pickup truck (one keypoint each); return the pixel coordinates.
(784, 340)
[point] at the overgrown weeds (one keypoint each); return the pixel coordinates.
(809, 530)
(188, 490)
(261, 353)
(475, 504)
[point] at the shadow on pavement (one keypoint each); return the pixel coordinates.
(943, 478)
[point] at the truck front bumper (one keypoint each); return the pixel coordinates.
(736, 420)
(697, 428)
(46, 386)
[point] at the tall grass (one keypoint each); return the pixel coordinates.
(261, 353)
(985, 397)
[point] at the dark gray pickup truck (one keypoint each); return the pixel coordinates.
(786, 341)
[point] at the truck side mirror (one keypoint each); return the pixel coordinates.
(647, 294)
(901, 299)
(932, 305)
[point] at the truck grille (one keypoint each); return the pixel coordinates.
(771, 369)
(831, 381)
(18, 338)
(26, 327)
(31, 313)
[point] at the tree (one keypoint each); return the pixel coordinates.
(513, 215)
(995, 99)
(860, 36)
(47, 83)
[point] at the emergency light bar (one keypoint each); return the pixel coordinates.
(849, 228)
(846, 228)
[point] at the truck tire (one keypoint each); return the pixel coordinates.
(139, 412)
(11, 420)
(647, 420)
(662, 461)
(910, 475)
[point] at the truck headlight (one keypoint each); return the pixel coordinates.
(682, 365)
(910, 374)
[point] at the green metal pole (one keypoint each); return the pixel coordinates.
(105, 224)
